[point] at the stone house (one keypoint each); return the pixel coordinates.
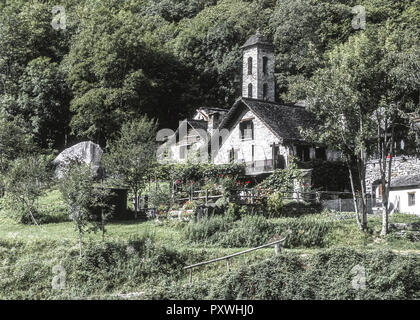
(260, 132)
(256, 130)
(404, 194)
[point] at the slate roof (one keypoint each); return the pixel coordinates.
(406, 181)
(257, 38)
(283, 120)
(198, 124)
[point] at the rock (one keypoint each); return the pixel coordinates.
(87, 152)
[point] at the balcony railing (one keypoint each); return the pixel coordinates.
(260, 166)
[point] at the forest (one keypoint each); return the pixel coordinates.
(107, 62)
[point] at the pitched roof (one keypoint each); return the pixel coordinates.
(198, 125)
(283, 120)
(257, 38)
(406, 181)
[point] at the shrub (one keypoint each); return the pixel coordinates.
(275, 205)
(256, 230)
(325, 275)
(207, 228)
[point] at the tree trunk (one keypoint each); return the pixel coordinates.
(136, 205)
(80, 243)
(354, 197)
(385, 197)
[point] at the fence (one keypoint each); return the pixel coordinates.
(333, 201)
(276, 245)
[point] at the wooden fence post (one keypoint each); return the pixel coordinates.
(277, 249)
(207, 196)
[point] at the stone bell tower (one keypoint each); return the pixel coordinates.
(258, 80)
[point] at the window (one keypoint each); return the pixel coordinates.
(232, 155)
(250, 66)
(303, 153)
(250, 90)
(265, 91)
(246, 130)
(320, 153)
(411, 199)
(265, 64)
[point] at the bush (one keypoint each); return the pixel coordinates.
(274, 205)
(326, 275)
(105, 268)
(252, 231)
(207, 228)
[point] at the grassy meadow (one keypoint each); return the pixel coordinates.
(147, 257)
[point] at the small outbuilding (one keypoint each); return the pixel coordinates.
(405, 194)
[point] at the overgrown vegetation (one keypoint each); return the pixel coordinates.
(325, 275)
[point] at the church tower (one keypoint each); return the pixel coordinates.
(258, 80)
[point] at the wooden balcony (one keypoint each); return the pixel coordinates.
(259, 167)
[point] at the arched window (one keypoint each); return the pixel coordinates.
(250, 66)
(250, 90)
(265, 65)
(265, 91)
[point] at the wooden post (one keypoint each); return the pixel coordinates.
(298, 196)
(277, 249)
(339, 204)
(207, 196)
(227, 265)
(318, 197)
(191, 275)
(191, 193)
(252, 197)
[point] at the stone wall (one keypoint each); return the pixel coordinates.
(401, 166)
(263, 139)
(258, 78)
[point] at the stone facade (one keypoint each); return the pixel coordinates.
(261, 143)
(401, 166)
(259, 78)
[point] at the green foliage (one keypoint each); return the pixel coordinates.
(275, 205)
(282, 179)
(26, 180)
(84, 199)
(326, 275)
(14, 143)
(130, 157)
(252, 231)
(207, 228)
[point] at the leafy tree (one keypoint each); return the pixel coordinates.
(84, 197)
(359, 102)
(210, 44)
(43, 101)
(131, 156)
(26, 180)
(14, 143)
(119, 68)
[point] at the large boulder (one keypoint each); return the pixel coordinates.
(87, 152)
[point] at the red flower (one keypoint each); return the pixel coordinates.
(389, 156)
(248, 182)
